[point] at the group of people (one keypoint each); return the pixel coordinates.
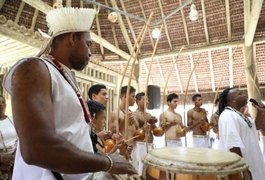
(60, 138)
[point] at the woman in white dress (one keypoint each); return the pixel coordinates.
(8, 139)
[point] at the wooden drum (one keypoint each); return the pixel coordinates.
(182, 163)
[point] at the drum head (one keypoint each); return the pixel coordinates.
(195, 160)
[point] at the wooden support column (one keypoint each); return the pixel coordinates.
(251, 17)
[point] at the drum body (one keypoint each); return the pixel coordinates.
(192, 164)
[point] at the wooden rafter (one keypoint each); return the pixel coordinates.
(19, 36)
(209, 47)
(211, 70)
(129, 22)
(113, 28)
(99, 34)
(177, 74)
(205, 22)
(184, 24)
(34, 19)
(165, 24)
(252, 21)
(123, 28)
(20, 9)
(228, 19)
(150, 35)
(193, 74)
(2, 2)
(44, 7)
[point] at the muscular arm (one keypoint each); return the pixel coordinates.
(34, 121)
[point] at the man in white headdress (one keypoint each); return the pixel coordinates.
(49, 114)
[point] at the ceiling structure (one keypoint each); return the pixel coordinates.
(212, 45)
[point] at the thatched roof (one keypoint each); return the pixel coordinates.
(213, 43)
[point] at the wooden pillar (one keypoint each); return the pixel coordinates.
(251, 75)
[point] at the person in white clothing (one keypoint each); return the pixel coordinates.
(237, 132)
(8, 141)
(49, 113)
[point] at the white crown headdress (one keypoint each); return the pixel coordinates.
(69, 19)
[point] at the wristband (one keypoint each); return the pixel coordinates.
(111, 164)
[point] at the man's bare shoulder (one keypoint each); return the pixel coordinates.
(29, 66)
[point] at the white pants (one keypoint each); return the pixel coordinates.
(174, 143)
(200, 141)
(139, 155)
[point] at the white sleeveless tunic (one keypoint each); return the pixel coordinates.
(69, 122)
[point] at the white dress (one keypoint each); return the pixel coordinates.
(235, 132)
(69, 123)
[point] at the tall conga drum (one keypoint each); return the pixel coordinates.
(182, 163)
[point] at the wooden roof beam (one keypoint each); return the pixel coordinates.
(209, 47)
(251, 19)
(184, 24)
(129, 22)
(2, 2)
(228, 19)
(165, 24)
(34, 19)
(177, 74)
(20, 9)
(113, 29)
(194, 74)
(99, 34)
(205, 22)
(19, 36)
(123, 28)
(150, 34)
(44, 7)
(40, 5)
(211, 70)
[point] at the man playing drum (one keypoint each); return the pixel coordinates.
(172, 122)
(49, 113)
(197, 123)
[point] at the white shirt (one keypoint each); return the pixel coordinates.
(235, 132)
(8, 133)
(69, 123)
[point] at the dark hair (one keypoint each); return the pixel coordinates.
(139, 96)
(124, 89)
(223, 99)
(95, 108)
(195, 96)
(95, 89)
(172, 96)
